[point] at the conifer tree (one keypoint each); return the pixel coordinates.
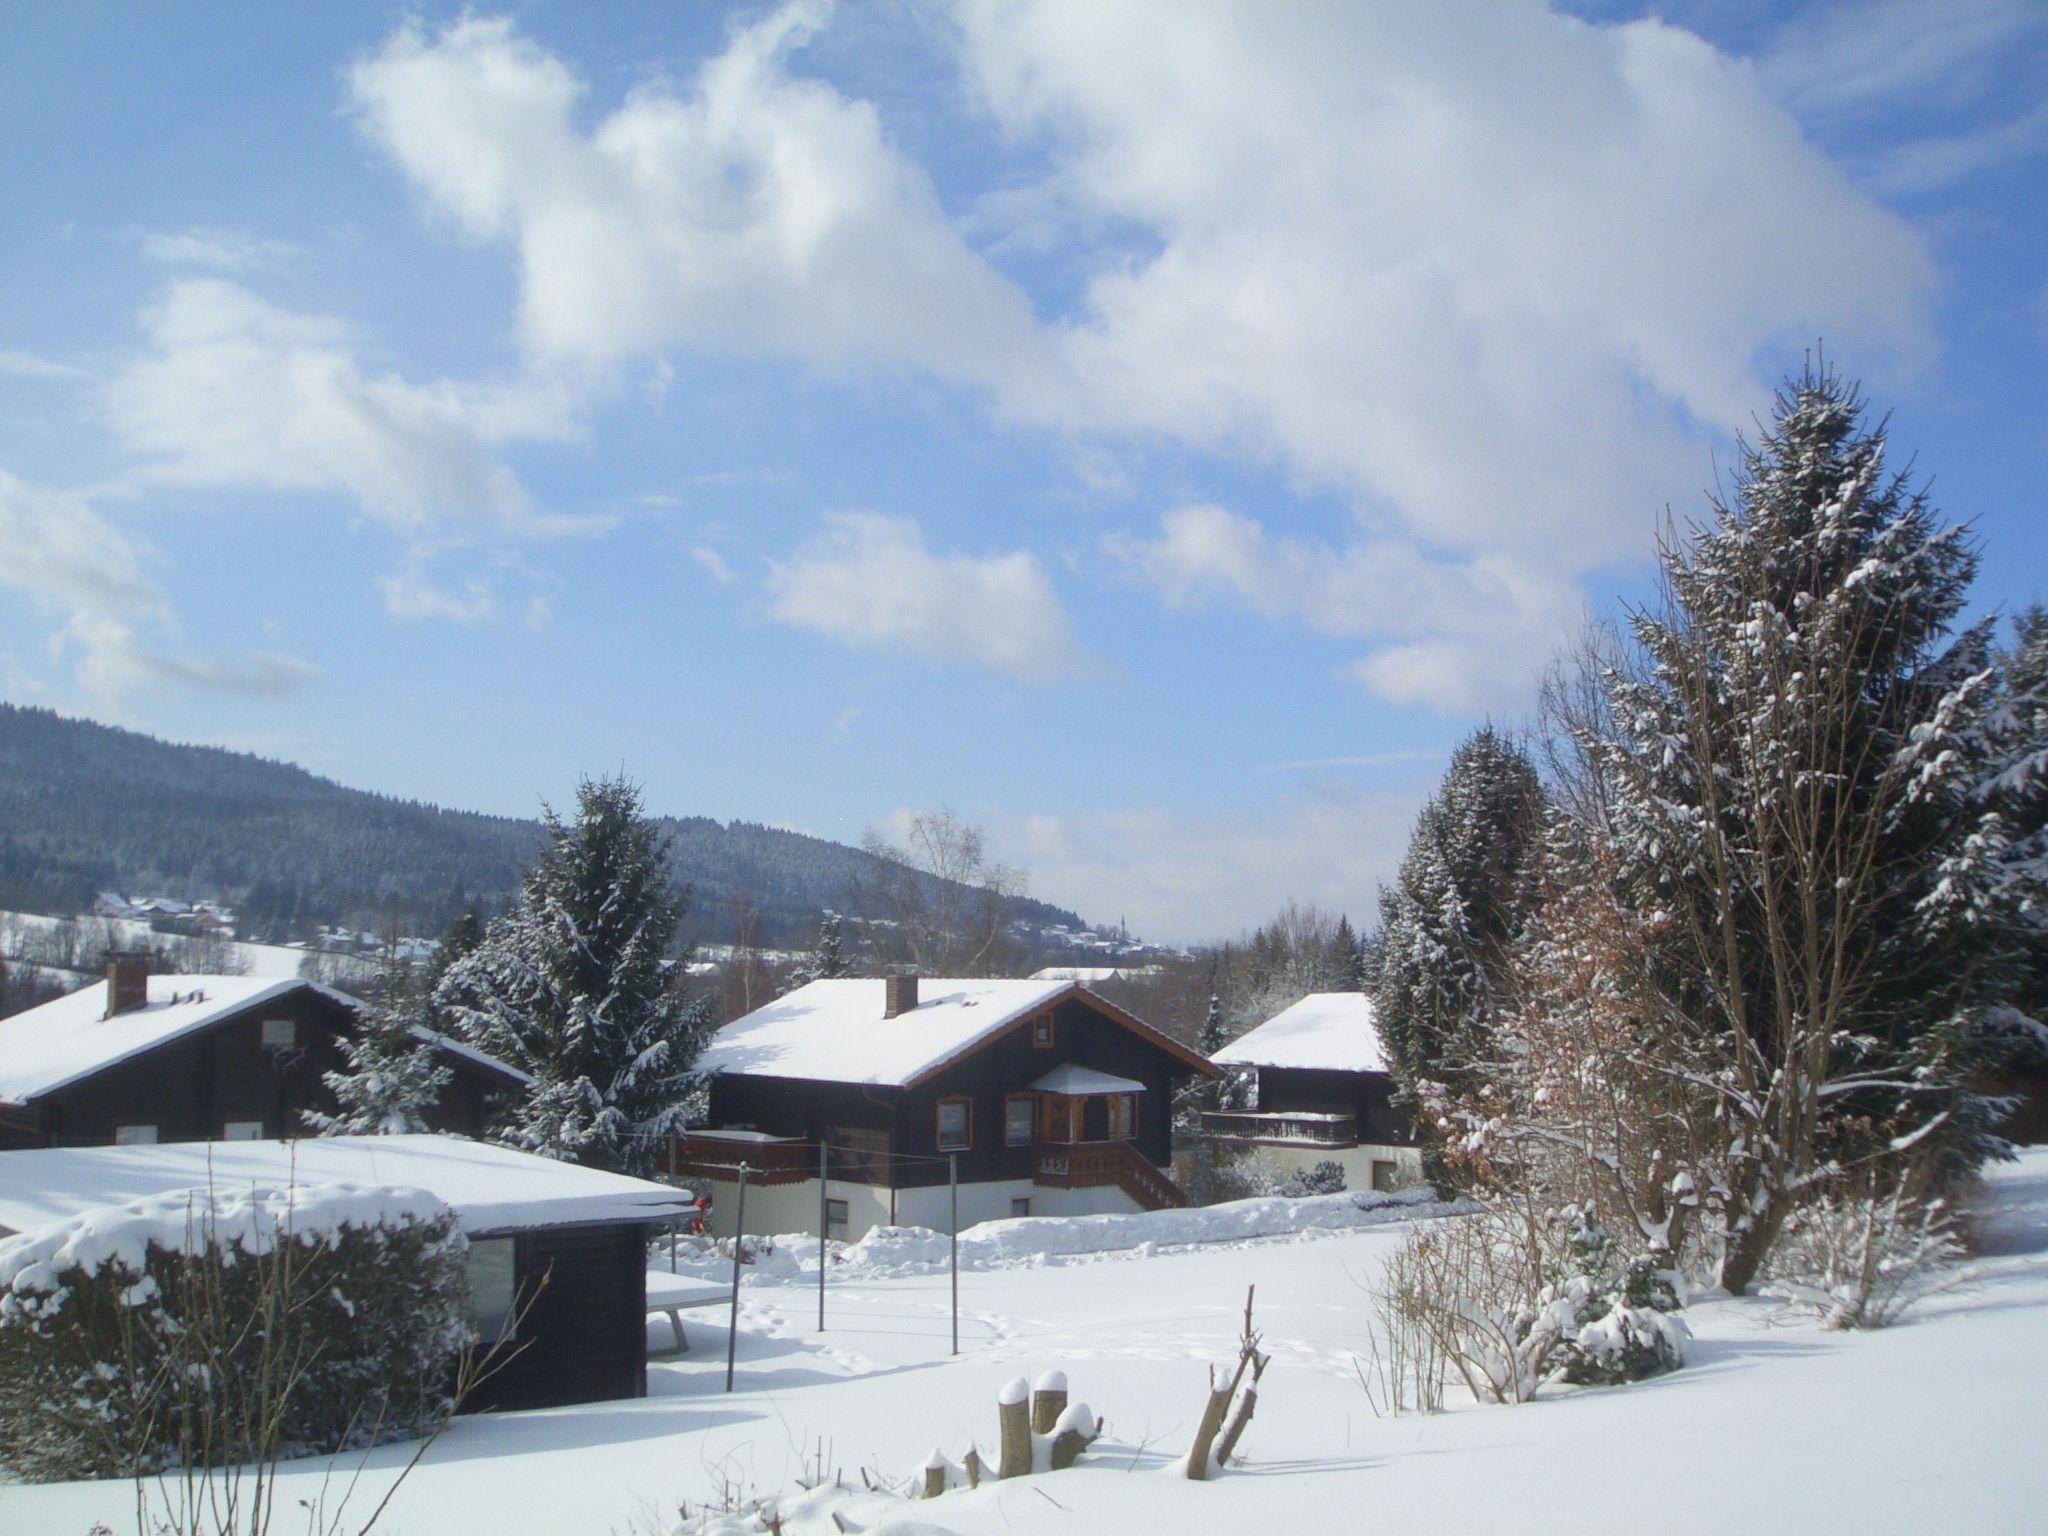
(1449, 924)
(577, 985)
(393, 1074)
(1790, 766)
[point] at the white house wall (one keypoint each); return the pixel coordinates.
(1356, 1162)
(794, 1207)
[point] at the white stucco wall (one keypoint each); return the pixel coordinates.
(794, 1207)
(1356, 1161)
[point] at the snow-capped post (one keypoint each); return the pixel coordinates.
(971, 1465)
(1072, 1433)
(1220, 1395)
(953, 1243)
(739, 1229)
(935, 1474)
(1048, 1402)
(824, 1224)
(1013, 1419)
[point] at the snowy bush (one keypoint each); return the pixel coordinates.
(1860, 1254)
(1622, 1312)
(214, 1328)
(1326, 1178)
(1512, 1300)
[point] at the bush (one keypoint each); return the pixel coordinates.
(1862, 1252)
(1326, 1178)
(1512, 1300)
(210, 1329)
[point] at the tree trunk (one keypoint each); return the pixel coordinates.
(1205, 1432)
(1048, 1402)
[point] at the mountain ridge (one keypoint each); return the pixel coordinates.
(86, 806)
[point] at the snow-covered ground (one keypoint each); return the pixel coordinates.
(270, 961)
(1774, 1426)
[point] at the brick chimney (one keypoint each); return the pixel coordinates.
(900, 994)
(127, 981)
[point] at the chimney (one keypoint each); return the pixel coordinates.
(901, 993)
(127, 981)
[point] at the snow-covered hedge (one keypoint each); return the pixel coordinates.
(216, 1327)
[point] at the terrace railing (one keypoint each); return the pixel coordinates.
(1303, 1129)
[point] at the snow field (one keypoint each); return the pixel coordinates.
(1772, 1426)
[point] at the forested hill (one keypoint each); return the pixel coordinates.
(86, 807)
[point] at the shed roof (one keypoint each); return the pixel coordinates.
(1325, 1031)
(490, 1188)
(834, 1031)
(70, 1037)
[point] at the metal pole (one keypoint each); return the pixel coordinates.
(953, 1199)
(674, 1226)
(824, 1221)
(739, 1227)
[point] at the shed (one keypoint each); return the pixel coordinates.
(583, 1336)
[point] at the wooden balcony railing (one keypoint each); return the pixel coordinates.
(1100, 1164)
(769, 1159)
(1314, 1130)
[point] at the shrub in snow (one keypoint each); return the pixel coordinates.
(1326, 1178)
(1622, 1323)
(214, 1328)
(1859, 1256)
(1512, 1300)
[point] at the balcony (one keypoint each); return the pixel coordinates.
(769, 1159)
(1287, 1129)
(1099, 1164)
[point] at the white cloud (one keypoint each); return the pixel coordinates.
(233, 391)
(1456, 634)
(1491, 273)
(868, 580)
(1855, 58)
(409, 593)
(713, 564)
(67, 560)
(1185, 878)
(754, 212)
(229, 250)
(31, 365)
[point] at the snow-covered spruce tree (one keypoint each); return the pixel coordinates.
(1453, 915)
(575, 984)
(2015, 784)
(1790, 776)
(826, 960)
(1347, 959)
(392, 1074)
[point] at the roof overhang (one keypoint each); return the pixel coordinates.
(1194, 1061)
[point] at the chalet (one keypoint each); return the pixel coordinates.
(141, 1058)
(1323, 1094)
(1048, 1099)
(581, 1336)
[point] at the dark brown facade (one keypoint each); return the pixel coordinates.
(583, 1332)
(224, 1080)
(1366, 1096)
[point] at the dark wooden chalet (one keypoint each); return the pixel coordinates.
(1048, 1099)
(142, 1059)
(1322, 1094)
(580, 1337)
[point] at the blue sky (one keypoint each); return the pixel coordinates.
(1158, 432)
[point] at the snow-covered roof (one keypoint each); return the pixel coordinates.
(68, 1038)
(1078, 973)
(1325, 1031)
(834, 1032)
(490, 1188)
(1069, 1079)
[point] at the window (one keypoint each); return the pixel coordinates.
(134, 1135)
(1017, 1120)
(835, 1218)
(280, 1034)
(1123, 1116)
(1041, 1033)
(956, 1124)
(493, 1287)
(242, 1130)
(1021, 1206)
